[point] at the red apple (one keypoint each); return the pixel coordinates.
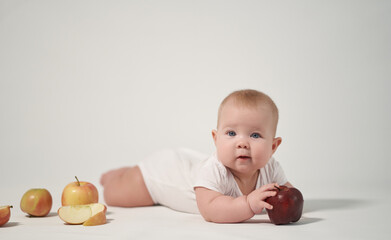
(5, 214)
(36, 202)
(287, 205)
(79, 193)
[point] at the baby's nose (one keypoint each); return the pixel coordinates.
(242, 144)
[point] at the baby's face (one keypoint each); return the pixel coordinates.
(245, 138)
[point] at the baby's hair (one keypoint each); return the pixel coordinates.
(250, 98)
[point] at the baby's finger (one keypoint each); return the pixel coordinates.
(268, 187)
(267, 194)
(267, 205)
(261, 205)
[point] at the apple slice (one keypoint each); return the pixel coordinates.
(97, 207)
(75, 214)
(97, 219)
(90, 214)
(5, 214)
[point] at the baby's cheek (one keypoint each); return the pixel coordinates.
(222, 146)
(262, 155)
(224, 153)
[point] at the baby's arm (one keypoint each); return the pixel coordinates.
(216, 207)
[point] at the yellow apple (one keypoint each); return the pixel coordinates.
(87, 214)
(36, 202)
(5, 214)
(79, 193)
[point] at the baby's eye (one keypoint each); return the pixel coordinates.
(231, 133)
(255, 135)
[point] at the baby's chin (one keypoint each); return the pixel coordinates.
(244, 169)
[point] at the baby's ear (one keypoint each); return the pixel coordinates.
(276, 142)
(214, 135)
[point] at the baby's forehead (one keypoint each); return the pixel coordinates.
(261, 106)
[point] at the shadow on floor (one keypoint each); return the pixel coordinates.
(303, 221)
(311, 205)
(10, 224)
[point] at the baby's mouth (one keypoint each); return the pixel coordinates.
(243, 157)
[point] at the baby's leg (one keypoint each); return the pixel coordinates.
(107, 176)
(125, 187)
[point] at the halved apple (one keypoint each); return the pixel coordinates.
(5, 214)
(97, 207)
(90, 214)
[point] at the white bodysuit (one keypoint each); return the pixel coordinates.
(172, 175)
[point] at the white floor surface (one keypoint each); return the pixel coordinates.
(323, 218)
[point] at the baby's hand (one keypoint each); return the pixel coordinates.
(256, 198)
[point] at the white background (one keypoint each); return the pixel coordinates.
(86, 86)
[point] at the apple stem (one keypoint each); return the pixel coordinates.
(78, 183)
(277, 188)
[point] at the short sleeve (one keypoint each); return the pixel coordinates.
(278, 173)
(272, 173)
(211, 175)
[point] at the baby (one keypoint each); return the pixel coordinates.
(231, 185)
